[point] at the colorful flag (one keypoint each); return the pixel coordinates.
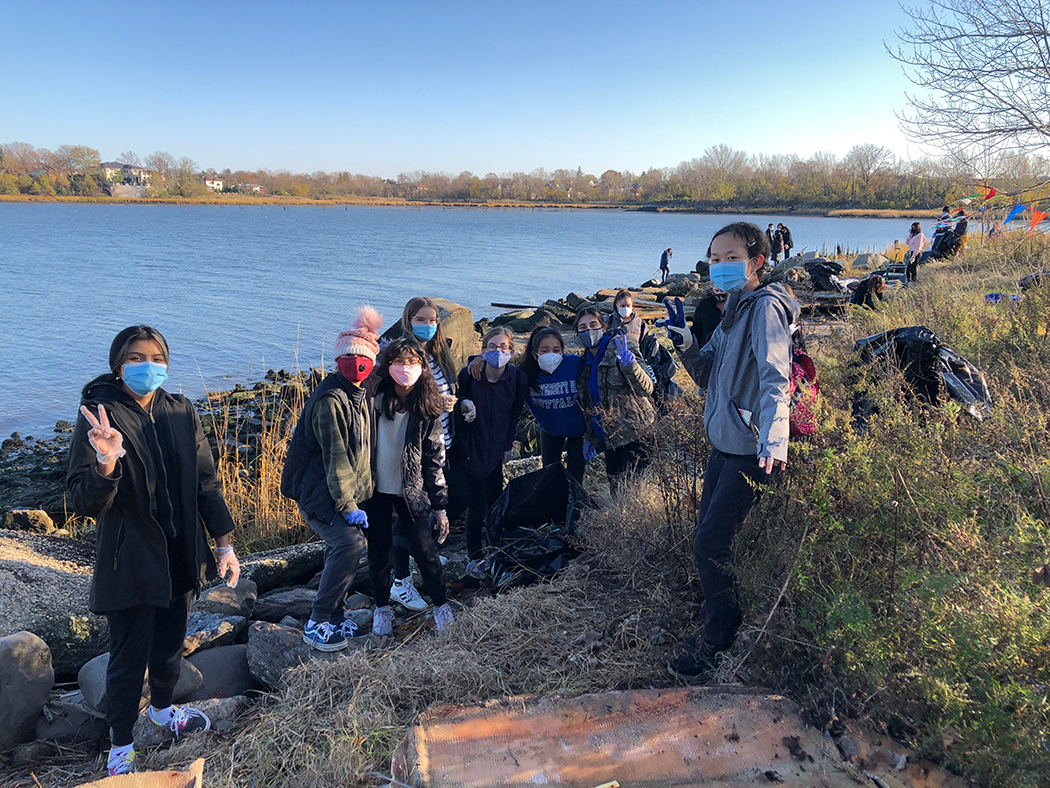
(988, 192)
(1013, 213)
(1037, 216)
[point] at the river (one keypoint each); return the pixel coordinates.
(237, 290)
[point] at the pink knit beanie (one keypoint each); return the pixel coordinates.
(363, 338)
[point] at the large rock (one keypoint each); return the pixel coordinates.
(226, 601)
(457, 324)
(71, 722)
(92, 682)
(273, 650)
(224, 671)
(283, 566)
(208, 630)
(35, 520)
(26, 679)
(44, 587)
(224, 714)
(295, 602)
(867, 262)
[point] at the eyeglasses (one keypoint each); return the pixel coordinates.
(504, 347)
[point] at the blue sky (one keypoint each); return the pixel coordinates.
(384, 88)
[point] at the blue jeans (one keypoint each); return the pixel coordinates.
(725, 502)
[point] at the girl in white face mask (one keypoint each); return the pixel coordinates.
(625, 319)
(552, 398)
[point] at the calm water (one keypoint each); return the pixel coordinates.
(238, 290)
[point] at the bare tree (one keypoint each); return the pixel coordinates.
(131, 158)
(983, 72)
(25, 156)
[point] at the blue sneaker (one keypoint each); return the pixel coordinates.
(323, 636)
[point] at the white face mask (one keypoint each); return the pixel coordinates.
(625, 311)
(549, 362)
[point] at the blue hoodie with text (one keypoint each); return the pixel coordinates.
(555, 403)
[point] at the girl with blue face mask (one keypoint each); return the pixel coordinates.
(745, 367)
(139, 464)
(490, 408)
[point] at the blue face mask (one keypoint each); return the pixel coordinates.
(592, 337)
(498, 358)
(729, 276)
(424, 332)
(144, 377)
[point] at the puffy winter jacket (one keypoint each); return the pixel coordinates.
(424, 487)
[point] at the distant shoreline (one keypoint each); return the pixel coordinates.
(395, 202)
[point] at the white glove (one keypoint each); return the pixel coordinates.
(469, 411)
(227, 560)
(107, 441)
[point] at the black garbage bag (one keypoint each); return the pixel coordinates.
(820, 275)
(530, 526)
(930, 367)
(1033, 279)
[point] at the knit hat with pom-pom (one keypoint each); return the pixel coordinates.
(363, 338)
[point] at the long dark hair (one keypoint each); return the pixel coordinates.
(118, 352)
(437, 347)
(424, 400)
(528, 364)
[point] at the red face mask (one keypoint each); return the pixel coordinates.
(354, 368)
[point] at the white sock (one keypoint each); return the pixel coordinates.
(163, 716)
(118, 753)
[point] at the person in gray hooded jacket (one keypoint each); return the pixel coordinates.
(746, 368)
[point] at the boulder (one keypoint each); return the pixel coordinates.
(224, 714)
(559, 312)
(682, 285)
(66, 722)
(703, 268)
(285, 565)
(575, 301)
(208, 630)
(44, 586)
(92, 682)
(26, 679)
(224, 672)
(867, 262)
(358, 601)
(273, 650)
(34, 520)
(226, 601)
(362, 617)
(295, 602)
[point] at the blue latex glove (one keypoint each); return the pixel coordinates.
(589, 452)
(358, 517)
(625, 356)
(677, 330)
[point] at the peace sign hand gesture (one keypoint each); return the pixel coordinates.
(107, 441)
(624, 356)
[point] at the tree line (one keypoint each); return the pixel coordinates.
(868, 176)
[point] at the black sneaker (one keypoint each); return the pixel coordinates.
(697, 663)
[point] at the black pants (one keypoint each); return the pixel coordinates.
(141, 637)
(623, 461)
(457, 504)
(911, 272)
(343, 546)
(381, 509)
(551, 448)
(481, 494)
(724, 504)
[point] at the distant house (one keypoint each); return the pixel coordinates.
(249, 188)
(213, 182)
(128, 174)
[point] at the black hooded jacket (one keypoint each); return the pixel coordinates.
(151, 515)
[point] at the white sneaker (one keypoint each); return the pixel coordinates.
(121, 762)
(404, 593)
(443, 617)
(383, 621)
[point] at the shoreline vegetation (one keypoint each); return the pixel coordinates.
(397, 202)
(895, 581)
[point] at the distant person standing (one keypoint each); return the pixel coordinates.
(786, 240)
(916, 240)
(665, 265)
(776, 246)
(770, 233)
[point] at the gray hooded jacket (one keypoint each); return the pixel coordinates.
(747, 365)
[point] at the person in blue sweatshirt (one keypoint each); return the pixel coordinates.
(553, 398)
(746, 369)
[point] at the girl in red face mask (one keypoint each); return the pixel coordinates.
(328, 472)
(408, 458)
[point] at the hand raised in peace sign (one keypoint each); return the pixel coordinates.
(107, 441)
(624, 356)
